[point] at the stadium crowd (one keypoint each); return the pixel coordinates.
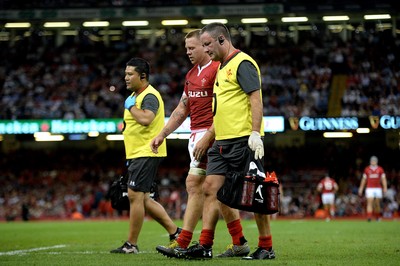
(41, 80)
(82, 78)
(56, 184)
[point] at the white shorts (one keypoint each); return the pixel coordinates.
(374, 192)
(328, 198)
(194, 138)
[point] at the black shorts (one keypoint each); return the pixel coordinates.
(224, 158)
(142, 173)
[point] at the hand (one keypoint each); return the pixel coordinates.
(200, 149)
(130, 102)
(256, 144)
(155, 143)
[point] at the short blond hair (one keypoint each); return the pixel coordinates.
(194, 33)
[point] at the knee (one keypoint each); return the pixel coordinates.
(194, 188)
(194, 184)
(212, 184)
(209, 189)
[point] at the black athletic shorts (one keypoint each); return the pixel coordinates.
(226, 156)
(142, 173)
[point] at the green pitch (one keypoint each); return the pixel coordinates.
(296, 242)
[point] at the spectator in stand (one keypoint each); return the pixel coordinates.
(374, 182)
(328, 188)
(40, 81)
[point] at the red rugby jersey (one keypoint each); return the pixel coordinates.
(199, 89)
(327, 185)
(374, 176)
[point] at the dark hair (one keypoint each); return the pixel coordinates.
(216, 29)
(141, 66)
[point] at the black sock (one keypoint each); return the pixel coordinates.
(242, 240)
(173, 236)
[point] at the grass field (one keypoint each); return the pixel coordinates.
(296, 242)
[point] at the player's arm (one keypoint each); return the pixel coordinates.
(178, 116)
(335, 187)
(384, 183)
(319, 187)
(362, 184)
(176, 119)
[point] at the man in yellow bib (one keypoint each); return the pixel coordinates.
(143, 120)
(238, 127)
(196, 102)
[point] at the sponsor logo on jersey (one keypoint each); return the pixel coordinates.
(203, 82)
(198, 94)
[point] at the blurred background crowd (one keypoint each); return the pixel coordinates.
(56, 184)
(82, 78)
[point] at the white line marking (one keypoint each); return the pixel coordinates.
(23, 251)
(76, 252)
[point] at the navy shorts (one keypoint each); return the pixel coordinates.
(142, 173)
(227, 157)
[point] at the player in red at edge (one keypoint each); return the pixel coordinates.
(374, 179)
(328, 187)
